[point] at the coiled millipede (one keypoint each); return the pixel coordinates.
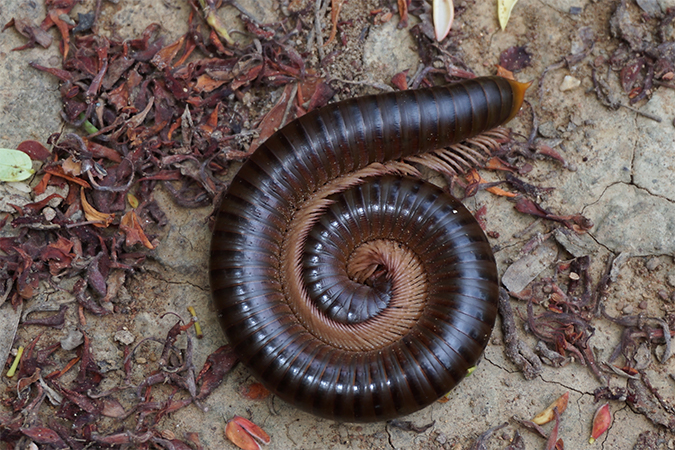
(351, 289)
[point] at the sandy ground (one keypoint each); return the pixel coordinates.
(620, 174)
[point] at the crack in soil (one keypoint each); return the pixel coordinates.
(539, 376)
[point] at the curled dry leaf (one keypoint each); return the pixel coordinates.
(443, 14)
(135, 234)
(601, 422)
(547, 415)
(474, 178)
(241, 432)
(102, 220)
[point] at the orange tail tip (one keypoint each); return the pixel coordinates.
(518, 95)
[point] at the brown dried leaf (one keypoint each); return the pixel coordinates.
(207, 84)
(272, 120)
(71, 167)
(102, 220)
(134, 232)
(547, 415)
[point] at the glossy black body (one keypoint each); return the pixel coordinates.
(255, 214)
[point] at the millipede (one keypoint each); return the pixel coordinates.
(348, 286)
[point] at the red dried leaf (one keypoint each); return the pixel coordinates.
(112, 408)
(630, 73)
(35, 150)
(241, 432)
(239, 437)
(252, 429)
(553, 437)
(254, 391)
(515, 58)
(43, 435)
(545, 150)
(119, 97)
(400, 80)
(164, 57)
(273, 119)
(322, 94)
(601, 422)
(217, 365)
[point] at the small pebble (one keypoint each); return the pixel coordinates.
(642, 304)
(575, 10)
(628, 309)
(671, 278)
(124, 337)
(141, 360)
(652, 264)
(663, 295)
(547, 130)
(569, 83)
(574, 276)
(49, 214)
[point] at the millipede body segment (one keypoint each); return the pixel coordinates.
(350, 288)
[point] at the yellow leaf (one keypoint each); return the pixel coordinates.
(504, 8)
(133, 201)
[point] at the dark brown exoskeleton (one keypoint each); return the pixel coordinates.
(349, 288)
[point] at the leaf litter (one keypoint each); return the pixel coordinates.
(175, 115)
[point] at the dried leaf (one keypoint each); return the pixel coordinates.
(239, 426)
(515, 58)
(239, 437)
(335, 8)
(552, 441)
(15, 165)
(443, 15)
(474, 178)
(43, 435)
(400, 80)
(504, 8)
(601, 422)
(58, 171)
(71, 167)
(135, 234)
(102, 220)
(547, 415)
(35, 150)
(254, 391)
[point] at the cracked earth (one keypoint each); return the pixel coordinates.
(620, 174)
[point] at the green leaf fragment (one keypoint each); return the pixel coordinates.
(14, 165)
